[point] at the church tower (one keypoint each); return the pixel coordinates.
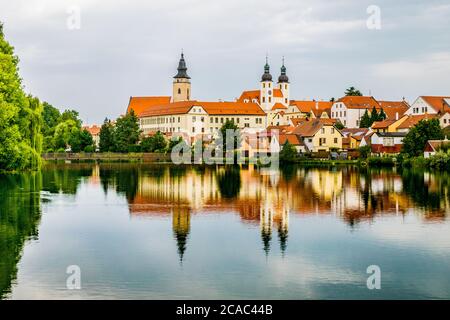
(266, 91)
(283, 84)
(181, 83)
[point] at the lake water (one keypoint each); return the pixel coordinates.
(180, 232)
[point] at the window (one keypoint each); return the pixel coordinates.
(217, 120)
(193, 119)
(323, 130)
(388, 141)
(188, 94)
(237, 120)
(202, 119)
(335, 140)
(179, 119)
(285, 86)
(264, 99)
(221, 120)
(211, 120)
(179, 91)
(247, 125)
(203, 130)
(270, 99)
(332, 130)
(193, 129)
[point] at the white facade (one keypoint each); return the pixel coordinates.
(420, 106)
(349, 117)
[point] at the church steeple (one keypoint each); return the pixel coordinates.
(182, 69)
(283, 77)
(181, 82)
(266, 76)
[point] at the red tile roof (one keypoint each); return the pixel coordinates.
(382, 124)
(250, 95)
(437, 103)
(93, 130)
(359, 102)
(212, 108)
(278, 106)
(277, 93)
(394, 110)
(291, 138)
(317, 107)
(142, 104)
(411, 121)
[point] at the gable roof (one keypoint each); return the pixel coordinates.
(277, 93)
(291, 138)
(394, 110)
(309, 128)
(438, 103)
(250, 95)
(141, 104)
(412, 120)
(434, 145)
(278, 106)
(93, 130)
(382, 124)
(306, 106)
(359, 102)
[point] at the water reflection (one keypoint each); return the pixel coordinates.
(264, 201)
(19, 219)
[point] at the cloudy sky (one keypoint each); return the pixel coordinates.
(118, 49)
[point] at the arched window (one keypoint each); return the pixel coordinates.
(179, 91)
(188, 94)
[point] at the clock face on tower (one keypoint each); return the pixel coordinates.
(270, 92)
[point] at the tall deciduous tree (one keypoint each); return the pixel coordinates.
(352, 91)
(417, 137)
(127, 132)
(106, 143)
(20, 116)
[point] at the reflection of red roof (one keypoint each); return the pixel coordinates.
(142, 104)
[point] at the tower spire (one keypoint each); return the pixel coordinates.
(182, 69)
(266, 76)
(283, 77)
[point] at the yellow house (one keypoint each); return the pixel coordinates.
(319, 135)
(388, 125)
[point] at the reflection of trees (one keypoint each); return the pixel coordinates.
(64, 178)
(229, 181)
(124, 178)
(19, 219)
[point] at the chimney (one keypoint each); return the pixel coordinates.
(396, 116)
(317, 105)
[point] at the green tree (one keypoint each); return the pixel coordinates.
(373, 116)
(127, 132)
(174, 142)
(160, 142)
(288, 153)
(382, 115)
(80, 140)
(64, 133)
(230, 128)
(352, 91)
(20, 116)
(51, 117)
(339, 125)
(107, 143)
(71, 115)
(417, 137)
(365, 120)
(364, 152)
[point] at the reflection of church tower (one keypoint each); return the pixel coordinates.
(266, 220)
(181, 83)
(181, 225)
(283, 228)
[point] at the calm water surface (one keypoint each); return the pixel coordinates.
(171, 232)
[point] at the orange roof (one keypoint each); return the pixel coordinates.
(308, 128)
(281, 129)
(212, 108)
(382, 124)
(306, 106)
(394, 109)
(359, 102)
(277, 93)
(291, 138)
(438, 103)
(250, 95)
(411, 121)
(297, 121)
(278, 106)
(141, 104)
(93, 130)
